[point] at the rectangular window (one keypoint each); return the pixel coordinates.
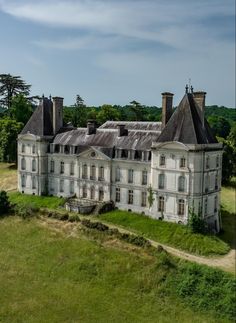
(51, 185)
(101, 174)
(93, 172)
(181, 207)
(23, 180)
(144, 199)
(161, 204)
(130, 197)
(52, 166)
(72, 187)
(61, 186)
(117, 194)
(117, 174)
(62, 168)
(205, 206)
(162, 160)
(101, 194)
(33, 149)
(130, 176)
(84, 192)
(33, 182)
(84, 172)
(72, 169)
(182, 162)
(144, 177)
(161, 181)
(207, 162)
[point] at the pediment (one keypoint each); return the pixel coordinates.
(28, 136)
(172, 145)
(93, 153)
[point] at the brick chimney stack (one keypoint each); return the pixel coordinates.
(167, 106)
(57, 114)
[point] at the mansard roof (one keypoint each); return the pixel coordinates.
(186, 126)
(133, 125)
(107, 138)
(41, 122)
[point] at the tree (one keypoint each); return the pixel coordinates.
(21, 109)
(196, 223)
(79, 114)
(228, 160)
(10, 86)
(4, 203)
(107, 112)
(219, 125)
(137, 110)
(9, 130)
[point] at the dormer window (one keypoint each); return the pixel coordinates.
(162, 160)
(124, 153)
(182, 162)
(138, 155)
(67, 149)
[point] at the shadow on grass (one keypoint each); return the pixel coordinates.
(13, 167)
(228, 233)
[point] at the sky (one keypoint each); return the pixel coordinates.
(116, 51)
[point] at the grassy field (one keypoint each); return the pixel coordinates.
(8, 177)
(62, 274)
(167, 233)
(50, 202)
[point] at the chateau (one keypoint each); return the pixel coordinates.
(162, 169)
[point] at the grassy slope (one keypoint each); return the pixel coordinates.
(167, 233)
(8, 177)
(47, 278)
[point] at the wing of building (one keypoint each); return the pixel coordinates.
(178, 161)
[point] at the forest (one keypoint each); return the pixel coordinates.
(17, 105)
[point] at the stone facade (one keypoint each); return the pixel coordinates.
(127, 164)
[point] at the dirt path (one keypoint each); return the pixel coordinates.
(226, 262)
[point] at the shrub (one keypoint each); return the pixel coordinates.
(26, 211)
(4, 203)
(136, 240)
(196, 223)
(74, 218)
(94, 225)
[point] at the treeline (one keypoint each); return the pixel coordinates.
(17, 105)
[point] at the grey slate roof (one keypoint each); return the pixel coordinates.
(107, 138)
(133, 125)
(185, 125)
(40, 123)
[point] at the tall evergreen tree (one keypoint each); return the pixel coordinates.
(10, 86)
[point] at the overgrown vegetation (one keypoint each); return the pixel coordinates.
(4, 203)
(171, 234)
(196, 224)
(60, 278)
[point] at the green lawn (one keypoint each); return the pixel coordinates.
(50, 202)
(50, 276)
(168, 233)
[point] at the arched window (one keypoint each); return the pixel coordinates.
(84, 171)
(92, 193)
(62, 167)
(101, 194)
(23, 180)
(101, 173)
(181, 207)
(181, 184)
(33, 182)
(23, 164)
(33, 165)
(23, 148)
(162, 160)
(161, 204)
(161, 181)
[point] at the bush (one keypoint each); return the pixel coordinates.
(136, 240)
(26, 211)
(196, 223)
(4, 203)
(74, 218)
(95, 225)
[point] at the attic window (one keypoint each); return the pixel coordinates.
(57, 149)
(138, 155)
(67, 149)
(124, 153)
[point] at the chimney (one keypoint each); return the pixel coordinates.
(199, 98)
(57, 114)
(91, 127)
(122, 131)
(167, 105)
